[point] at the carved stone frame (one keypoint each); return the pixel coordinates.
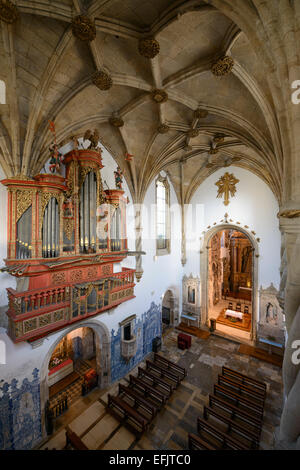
(204, 271)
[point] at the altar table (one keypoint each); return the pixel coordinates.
(233, 313)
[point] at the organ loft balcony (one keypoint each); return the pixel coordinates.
(65, 235)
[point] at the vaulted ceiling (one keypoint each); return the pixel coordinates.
(48, 74)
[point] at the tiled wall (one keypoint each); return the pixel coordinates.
(20, 414)
(147, 327)
(20, 406)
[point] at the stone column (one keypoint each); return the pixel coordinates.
(138, 241)
(289, 431)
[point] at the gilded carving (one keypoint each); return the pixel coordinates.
(116, 121)
(30, 325)
(92, 273)
(24, 200)
(58, 278)
(163, 129)
(83, 28)
(223, 66)
(8, 11)
(290, 214)
(68, 227)
(44, 320)
(102, 80)
(226, 186)
(58, 315)
(148, 47)
(76, 275)
(159, 96)
(192, 133)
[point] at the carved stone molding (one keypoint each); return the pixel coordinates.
(102, 80)
(148, 47)
(222, 66)
(84, 28)
(8, 11)
(163, 129)
(159, 96)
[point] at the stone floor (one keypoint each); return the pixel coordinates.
(169, 430)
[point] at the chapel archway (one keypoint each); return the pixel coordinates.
(84, 351)
(229, 274)
(167, 310)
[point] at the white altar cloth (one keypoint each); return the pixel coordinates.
(233, 313)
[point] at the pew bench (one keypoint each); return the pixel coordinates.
(164, 374)
(244, 379)
(243, 402)
(235, 413)
(124, 412)
(176, 369)
(74, 440)
(156, 381)
(196, 443)
(218, 438)
(233, 428)
(158, 398)
(139, 400)
(241, 389)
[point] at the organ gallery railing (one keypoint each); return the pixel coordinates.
(42, 310)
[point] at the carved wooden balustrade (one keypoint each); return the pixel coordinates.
(33, 314)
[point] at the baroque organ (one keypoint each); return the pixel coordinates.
(65, 234)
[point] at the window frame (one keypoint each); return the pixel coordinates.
(167, 249)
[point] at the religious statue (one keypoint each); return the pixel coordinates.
(55, 159)
(93, 138)
(226, 185)
(55, 156)
(118, 177)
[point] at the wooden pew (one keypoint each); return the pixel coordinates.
(155, 381)
(241, 389)
(138, 399)
(196, 443)
(238, 400)
(128, 413)
(163, 373)
(242, 433)
(253, 422)
(176, 369)
(74, 440)
(244, 379)
(215, 436)
(159, 398)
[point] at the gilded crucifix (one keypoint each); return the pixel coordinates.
(226, 185)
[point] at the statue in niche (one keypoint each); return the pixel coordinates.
(191, 295)
(118, 177)
(93, 138)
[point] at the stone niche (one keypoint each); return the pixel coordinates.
(191, 300)
(271, 325)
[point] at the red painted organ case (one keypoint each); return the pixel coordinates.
(64, 237)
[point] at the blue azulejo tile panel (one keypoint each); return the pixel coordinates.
(146, 328)
(20, 414)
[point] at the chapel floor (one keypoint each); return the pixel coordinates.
(169, 430)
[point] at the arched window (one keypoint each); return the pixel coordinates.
(2, 92)
(162, 216)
